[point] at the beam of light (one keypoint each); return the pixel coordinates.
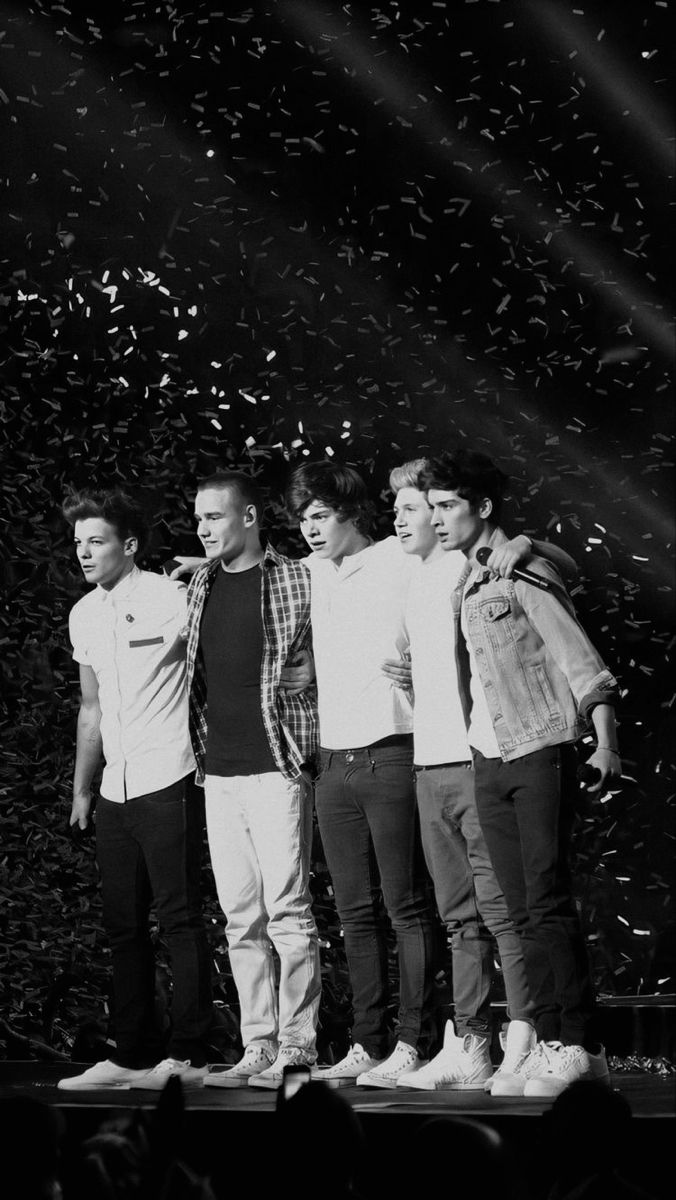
(442, 357)
(575, 252)
(625, 99)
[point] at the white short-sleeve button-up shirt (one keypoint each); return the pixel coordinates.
(133, 639)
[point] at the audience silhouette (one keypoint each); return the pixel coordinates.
(31, 1139)
(462, 1158)
(136, 1157)
(590, 1138)
(321, 1123)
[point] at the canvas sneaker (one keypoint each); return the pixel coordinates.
(462, 1064)
(289, 1056)
(345, 1073)
(561, 1065)
(155, 1080)
(516, 1044)
(104, 1074)
(254, 1060)
(513, 1083)
(403, 1060)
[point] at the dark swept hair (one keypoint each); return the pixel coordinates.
(244, 487)
(338, 487)
(474, 476)
(126, 514)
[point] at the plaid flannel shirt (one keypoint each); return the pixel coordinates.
(290, 721)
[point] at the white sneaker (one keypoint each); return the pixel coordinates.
(561, 1065)
(462, 1064)
(516, 1044)
(345, 1073)
(403, 1060)
(513, 1083)
(155, 1080)
(254, 1060)
(289, 1056)
(104, 1074)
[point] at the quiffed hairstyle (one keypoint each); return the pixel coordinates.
(339, 488)
(244, 487)
(408, 474)
(126, 514)
(472, 475)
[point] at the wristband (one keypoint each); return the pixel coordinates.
(609, 749)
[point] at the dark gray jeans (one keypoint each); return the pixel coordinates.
(469, 899)
(368, 821)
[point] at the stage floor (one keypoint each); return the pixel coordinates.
(217, 1119)
(651, 1096)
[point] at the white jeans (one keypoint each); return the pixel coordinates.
(260, 834)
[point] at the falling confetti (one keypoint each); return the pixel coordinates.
(245, 236)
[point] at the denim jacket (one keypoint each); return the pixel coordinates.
(540, 673)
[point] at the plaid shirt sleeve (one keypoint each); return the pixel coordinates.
(198, 591)
(290, 721)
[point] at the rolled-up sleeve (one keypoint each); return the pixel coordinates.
(554, 619)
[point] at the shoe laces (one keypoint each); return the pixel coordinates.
(357, 1054)
(559, 1056)
(170, 1064)
(472, 1044)
(290, 1055)
(403, 1056)
(253, 1055)
(531, 1061)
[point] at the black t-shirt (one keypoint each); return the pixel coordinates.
(231, 642)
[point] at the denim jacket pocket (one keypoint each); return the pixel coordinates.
(495, 609)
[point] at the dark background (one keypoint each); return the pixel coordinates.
(243, 234)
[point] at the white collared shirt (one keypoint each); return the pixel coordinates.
(439, 731)
(357, 621)
(133, 639)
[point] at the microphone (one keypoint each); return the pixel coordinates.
(483, 554)
(587, 774)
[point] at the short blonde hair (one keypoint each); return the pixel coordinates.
(408, 475)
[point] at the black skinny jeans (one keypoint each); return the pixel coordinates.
(149, 851)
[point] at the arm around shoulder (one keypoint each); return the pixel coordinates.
(519, 550)
(565, 565)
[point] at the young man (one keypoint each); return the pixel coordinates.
(468, 896)
(531, 683)
(127, 638)
(469, 900)
(364, 796)
(249, 611)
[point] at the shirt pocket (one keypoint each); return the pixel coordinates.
(495, 609)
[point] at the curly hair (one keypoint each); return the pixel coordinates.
(338, 487)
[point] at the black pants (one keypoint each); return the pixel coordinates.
(149, 851)
(527, 808)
